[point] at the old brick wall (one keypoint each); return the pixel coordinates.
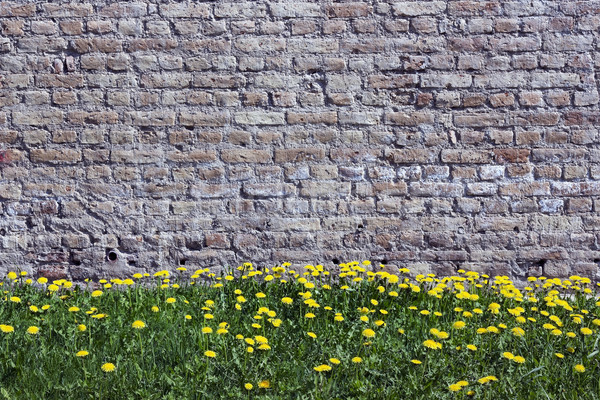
(435, 135)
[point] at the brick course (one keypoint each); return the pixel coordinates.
(435, 135)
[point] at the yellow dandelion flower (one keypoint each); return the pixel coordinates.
(368, 333)
(82, 353)
(309, 315)
(138, 324)
(264, 384)
(508, 355)
(260, 295)
(458, 325)
(33, 330)
(7, 328)
(472, 347)
(250, 349)
(357, 360)
(518, 331)
(108, 367)
(432, 344)
(519, 359)
(334, 361)
(559, 355)
(312, 335)
(248, 386)
(571, 334)
(170, 300)
(210, 354)
(586, 331)
(454, 387)
(81, 328)
(95, 293)
(416, 362)
(579, 368)
(322, 368)
(264, 346)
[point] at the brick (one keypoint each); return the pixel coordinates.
(446, 81)
(511, 155)
(240, 10)
(177, 81)
(136, 45)
(299, 154)
(185, 10)
(348, 10)
(259, 118)
(409, 119)
(42, 44)
(97, 45)
(55, 156)
(362, 46)
(93, 117)
(67, 10)
(466, 156)
(40, 117)
(312, 117)
(479, 120)
(393, 82)
(436, 189)
(219, 118)
(246, 156)
(149, 118)
(551, 80)
(411, 156)
(413, 9)
(266, 190)
(209, 190)
(252, 45)
(324, 189)
(319, 46)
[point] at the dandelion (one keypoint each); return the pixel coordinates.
(357, 360)
(472, 347)
(82, 353)
(210, 354)
(432, 344)
(95, 293)
(334, 361)
(579, 368)
(486, 379)
(559, 355)
(170, 300)
(368, 333)
(322, 368)
(455, 387)
(586, 331)
(264, 384)
(309, 315)
(508, 355)
(138, 324)
(108, 367)
(458, 325)
(518, 331)
(416, 362)
(7, 328)
(287, 300)
(312, 335)
(519, 359)
(250, 349)
(33, 330)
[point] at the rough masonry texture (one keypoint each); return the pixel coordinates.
(433, 135)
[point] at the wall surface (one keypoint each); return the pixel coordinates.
(434, 135)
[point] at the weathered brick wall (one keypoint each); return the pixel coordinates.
(430, 134)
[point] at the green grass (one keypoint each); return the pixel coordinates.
(166, 359)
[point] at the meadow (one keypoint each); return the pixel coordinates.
(359, 332)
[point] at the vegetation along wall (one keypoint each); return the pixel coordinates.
(433, 135)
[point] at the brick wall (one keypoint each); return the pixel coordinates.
(435, 135)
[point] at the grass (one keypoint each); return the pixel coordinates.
(357, 333)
